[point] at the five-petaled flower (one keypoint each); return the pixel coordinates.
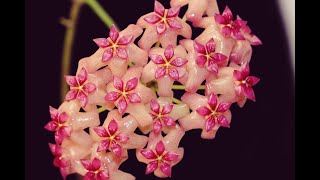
(161, 115)
(208, 56)
(167, 64)
(244, 82)
(230, 28)
(60, 162)
(213, 112)
(123, 94)
(59, 125)
(113, 138)
(164, 18)
(159, 157)
(80, 88)
(95, 170)
(114, 44)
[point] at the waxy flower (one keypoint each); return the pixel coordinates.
(59, 125)
(246, 31)
(80, 88)
(159, 158)
(213, 112)
(160, 114)
(244, 82)
(230, 28)
(95, 170)
(113, 138)
(59, 161)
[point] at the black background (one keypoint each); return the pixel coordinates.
(260, 142)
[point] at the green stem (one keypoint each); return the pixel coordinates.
(177, 101)
(101, 13)
(181, 87)
(101, 109)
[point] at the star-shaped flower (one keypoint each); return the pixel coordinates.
(95, 170)
(160, 114)
(59, 161)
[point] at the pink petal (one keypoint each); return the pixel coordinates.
(160, 72)
(122, 106)
(51, 126)
(89, 87)
(157, 127)
(101, 131)
(166, 109)
(222, 121)
(131, 84)
(165, 168)
(238, 24)
(53, 113)
(212, 101)
(160, 148)
(174, 74)
(89, 176)
(125, 40)
(201, 61)
(254, 40)
(59, 137)
(210, 46)
(112, 96)
(122, 53)
(65, 130)
(152, 19)
(117, 83)
(151, 167)
(83, 99)
(96, 163)
(64, 162)
(169, 121)
(54, 149)
(240, 89)
(56, 161)
(158, 8)
(226, 31)
(245, 70)
(237, 75)
(173, 12)
(220, 19)
(213, 67)
(134, 98)
(209, 124)
(71, 81)
(227, 14)
(114, 33)
(113, 127)
(174, 24)
(82, 76)
(103, 145)
(169, 52)
(249, 93)
(223, 107)
(170, 156)
(116, 149)
(86, 163)
(252, 80)
(153, 116)
(72, 94)
(103, 175)
(203, 111)
(218, 57)
(199, 48)
(63, 117)
(157, 59)
(236, 34)
(154, 106)
(161, 28)
(107, 55)
(178, 62)
(102, 42)
(122, 137)
(149, 154)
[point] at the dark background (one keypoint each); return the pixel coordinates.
(260, 142)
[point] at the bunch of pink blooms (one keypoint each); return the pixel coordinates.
(134, 83)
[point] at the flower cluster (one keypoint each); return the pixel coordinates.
(137, 84)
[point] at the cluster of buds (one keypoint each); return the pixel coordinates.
(137, 84)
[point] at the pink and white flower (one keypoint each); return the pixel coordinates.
(59, 161)
(95, 170)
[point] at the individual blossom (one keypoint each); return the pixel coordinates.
(59, 161)
(95, 170)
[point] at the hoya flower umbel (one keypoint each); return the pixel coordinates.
(58, 124)
(164, 18)
(80, 88)
(113, 138)
(213, 112)
(114, 45)
(230, 28)
(95, 170)
(207, 56)
(160, 114)
(159, 158)
(244, 82)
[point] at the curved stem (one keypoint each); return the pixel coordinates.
(177, 101)
(181, 87)
(102, 109)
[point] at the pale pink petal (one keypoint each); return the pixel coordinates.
(169, 52)
(245, 70)
(63, 117)
(103, 146)
(103, 174)
(122, 137)
(86, 163)
(203, 111)
(122, 53)
(199, 48)
(160, 72)
(71, 81)
(96, 163)
(125, 40)
(132, 84)
(113, 127)
(151, 167)
(114, 33)
(149, 154)
(157, 127)
(210, 46)
(209, 124)
(174, 74)
(218, 57)
(254, 40)
(107, 55)
(51, 126)
(237, 75)
(174, 24)
(157, 59)
(165, 168)
(252, 80)
(169, 121)
(154, 106)
(102, 42)
(160, 148)
(122, 105)
(158, 8)
(236, 34)
(249, 93)
(223, 107)
(89, 176)
(101, 131)
(170, 156)
(226, 31)
(201, 61)
(83, 99)
(152, 19)
(53, 113)
(117, 83)
(112, 96)
(173, 12)
(89, 87)
(222, 121)
(161, 28)
(212, 101)
(220, 19)
(178, 62)
(116, 149)
(166, 109)
(134, 98)
(213, 67)
(227, 14)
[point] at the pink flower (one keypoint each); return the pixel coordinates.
(208, 56)
(123, 94)
(213, 112)
(60, 162)
(244, 82)
(159, 158)
(230, 28)
(95, 170)
(168, 64)
(112, 138)
(80, 88)
(114, 45)
(246, 31)
(161, 115)
(59, 125)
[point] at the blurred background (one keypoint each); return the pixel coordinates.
(260, 142)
